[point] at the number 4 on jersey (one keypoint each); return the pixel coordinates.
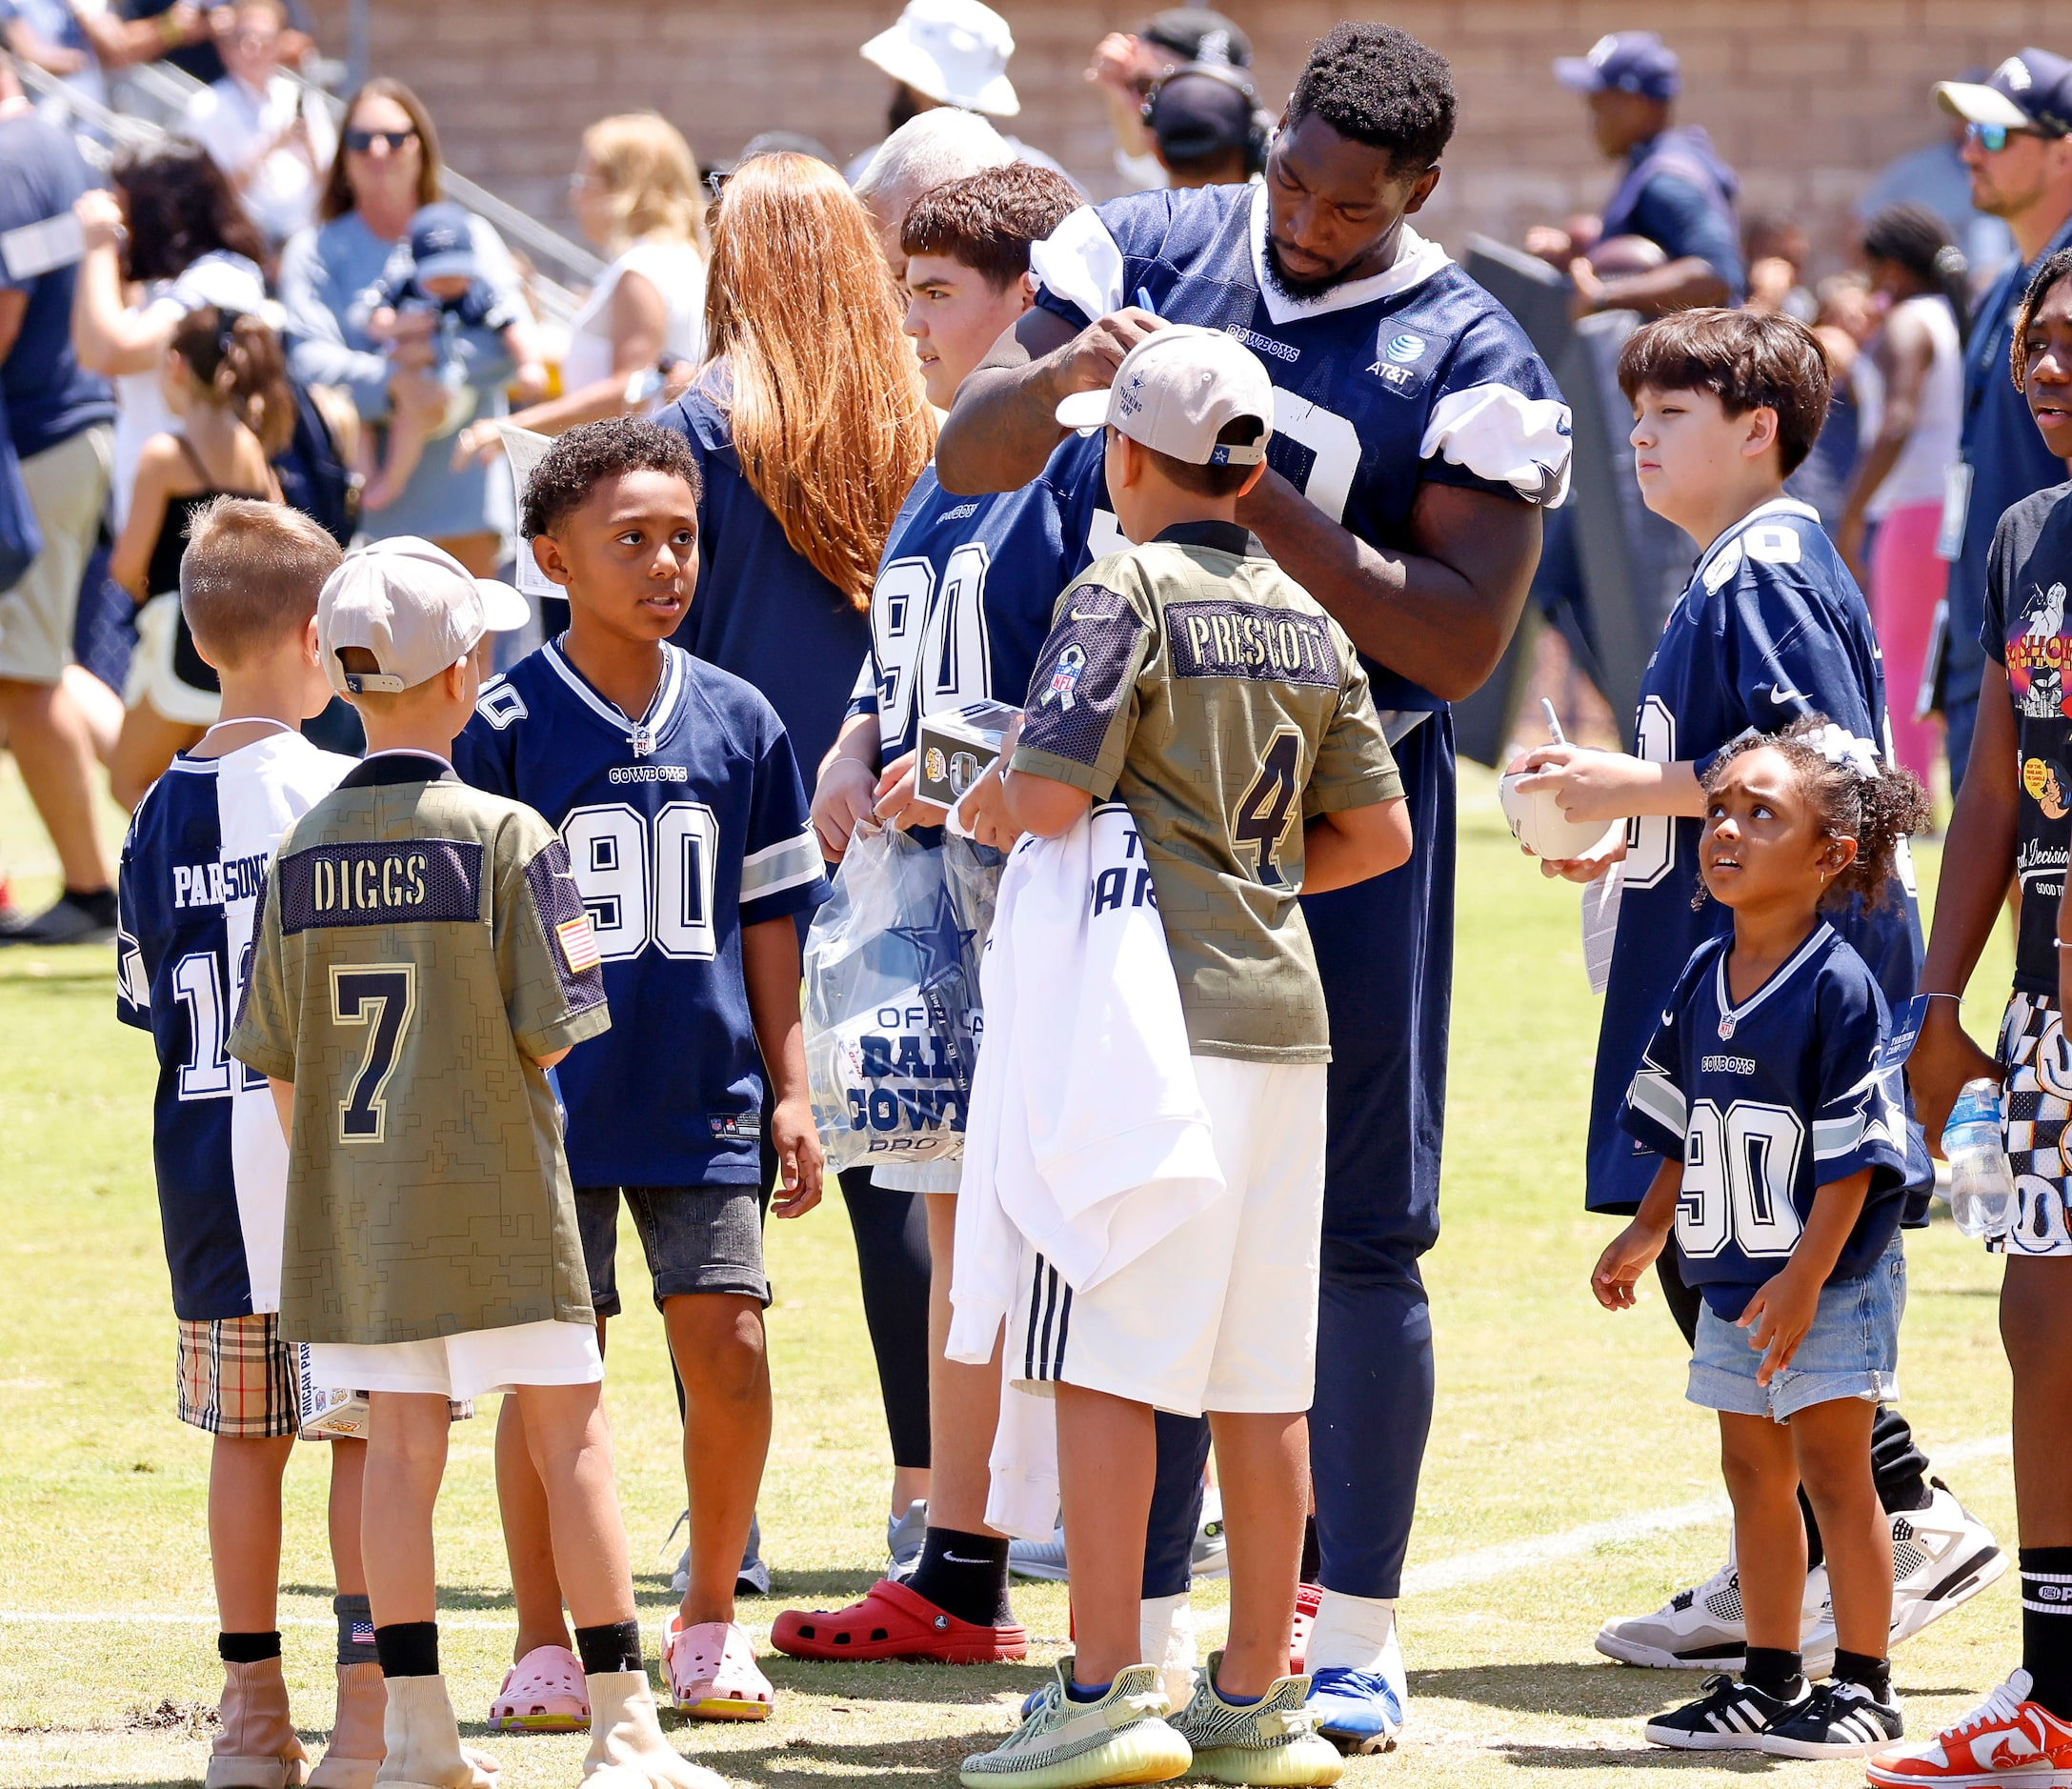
(1261, 817)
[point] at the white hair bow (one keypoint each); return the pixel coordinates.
(1838, 745)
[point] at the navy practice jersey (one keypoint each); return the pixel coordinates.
(965, 590)
(1765, 1103)
(192, 869)
(682, 828)
(1412, 376)
(1770, 628)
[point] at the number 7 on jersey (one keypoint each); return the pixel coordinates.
(381, 996)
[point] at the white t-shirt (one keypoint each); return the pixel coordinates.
(232, 123)
(1917, 476)
(676, 271)
(218, 277)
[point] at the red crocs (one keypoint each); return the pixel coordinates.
(893, 1623)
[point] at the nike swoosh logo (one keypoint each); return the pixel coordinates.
(957, 1559)
(1103, 615)
(1781, 695)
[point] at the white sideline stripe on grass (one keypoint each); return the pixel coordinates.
(1484, 1563)
(1477, 1567)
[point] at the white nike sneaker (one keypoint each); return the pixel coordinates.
(1941, 1557)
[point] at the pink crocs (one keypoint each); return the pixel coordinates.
(712, 1674)
(543, 1693)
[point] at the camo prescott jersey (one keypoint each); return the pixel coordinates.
(419, 944)
(192, 870)
(1213, 695)
(681, 827)
(1764, 1103)
(2025, 631)
(1411, 376)
(965, 590)
(1770, 628)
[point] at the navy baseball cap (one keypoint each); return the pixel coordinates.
(441, 241)
(1625, 62)
(2029, 92)
(1199, 112)
(1198, 34)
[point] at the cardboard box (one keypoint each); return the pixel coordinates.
(955, 748)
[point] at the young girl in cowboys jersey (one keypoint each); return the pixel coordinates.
(1771, 1093)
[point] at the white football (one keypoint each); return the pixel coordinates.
(1539, 824)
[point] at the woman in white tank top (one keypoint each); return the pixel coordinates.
(636, 196)
(1909, 392)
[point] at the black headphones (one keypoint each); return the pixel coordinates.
(1258, 132)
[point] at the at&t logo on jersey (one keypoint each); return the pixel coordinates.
(1406, 350)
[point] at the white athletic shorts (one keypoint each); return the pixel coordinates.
(2035, 1115)
(467, 1365)
(1222, 1313)
(152, 677)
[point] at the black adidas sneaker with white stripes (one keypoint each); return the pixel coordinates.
(1730, 1717)
(1839, 1719)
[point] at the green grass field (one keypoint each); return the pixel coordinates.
(1552, 1415)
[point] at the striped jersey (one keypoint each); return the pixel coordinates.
(682, 827)
(192, 870)
(1766, 1101)
(419, 947)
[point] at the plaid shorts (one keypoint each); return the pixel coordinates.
(237, 1377)
(2036, 1110)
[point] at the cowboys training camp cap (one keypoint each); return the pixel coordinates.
(1624, 62)
(2031, 91)
(415, 607)
(1176, 391)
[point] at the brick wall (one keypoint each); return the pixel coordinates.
(1805, 97)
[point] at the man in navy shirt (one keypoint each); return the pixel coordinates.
(2017, 145)
(1416, 438)
(1675, 193)
(61, 419)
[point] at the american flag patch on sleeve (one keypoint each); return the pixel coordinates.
(579, 944)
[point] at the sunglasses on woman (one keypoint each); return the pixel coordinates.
(390, 140)
(1992, 138)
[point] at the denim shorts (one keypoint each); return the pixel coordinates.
(1851, 1351)
(696, 1239)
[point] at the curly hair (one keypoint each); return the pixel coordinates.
(579, 461)
(1379, 87)
(179, 206)
(1878, 810)
(2055, 268)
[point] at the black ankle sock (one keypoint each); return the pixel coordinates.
(408, 1649)
(1875, 1675)
(2047, 1626)
(614, 1646)
(355, 1630)
(98, 903)
(246, 1649)
(1772, 1670)
(1313, 1557)
(964, 1574)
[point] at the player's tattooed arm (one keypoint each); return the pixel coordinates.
(770, 969)
(1004, 422)
(1441, 615)
(1633, 1250)
(1978, 865)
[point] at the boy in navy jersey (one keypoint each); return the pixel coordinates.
(675, 789)
(1771, 626)
(192, 868)
(1772, 1107)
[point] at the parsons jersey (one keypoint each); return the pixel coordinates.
(1771, 626)
(964, 595)
(680, 830)
(1766, 1102)
(192, 868)
(1409, 376)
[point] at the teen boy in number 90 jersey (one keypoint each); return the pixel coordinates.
(682, 828)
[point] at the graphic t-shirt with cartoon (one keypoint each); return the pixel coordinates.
(2025, 581)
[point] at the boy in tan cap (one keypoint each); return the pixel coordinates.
(421, 960)
(1197, 684)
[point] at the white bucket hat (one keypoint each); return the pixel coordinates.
(955, 51)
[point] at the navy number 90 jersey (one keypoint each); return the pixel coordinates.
(1771, 628)
(1766, 1102)
(681, 827)
(1409, 376)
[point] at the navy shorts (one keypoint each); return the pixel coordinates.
(696, 1239)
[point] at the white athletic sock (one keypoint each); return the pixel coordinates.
(1166, 1639)
(1354, 1633)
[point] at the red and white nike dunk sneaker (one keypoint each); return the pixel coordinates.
(2006, 1743)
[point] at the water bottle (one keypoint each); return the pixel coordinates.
(1982, 1190)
